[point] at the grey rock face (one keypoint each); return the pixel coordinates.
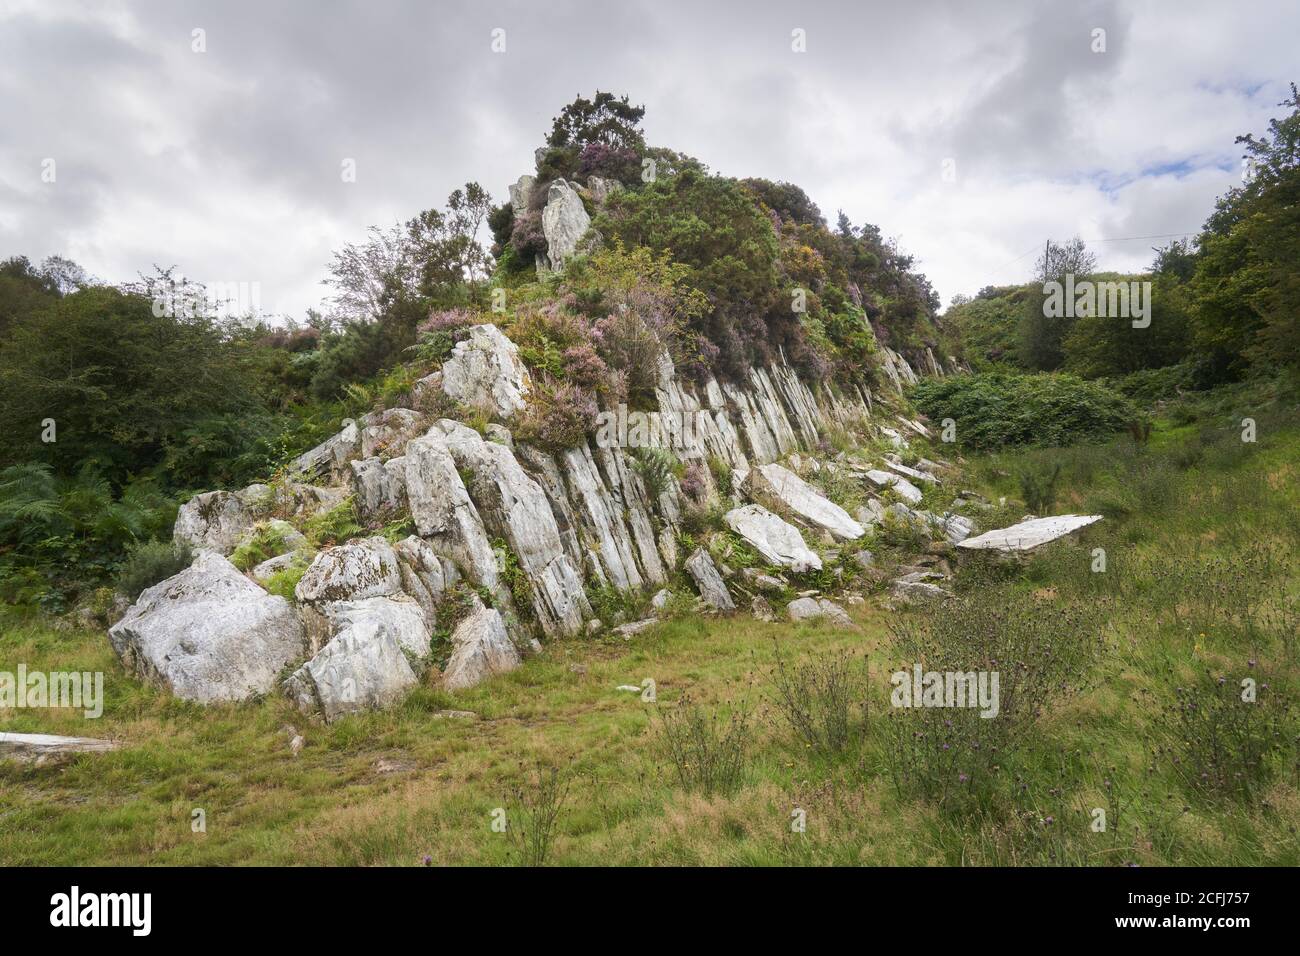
(601, 189)
(209, 634)
(777, 541)
(328, 460)
(366, 663)
(784, 491)
(216, 520)
(444, 514)
(520, 192)
(386, 433)
(515, 508)
(485, 371)
(482, 649)
(712, 588)
(425, 576)
(350, 572)
(906, 490)
(378, 487)
(564, 222)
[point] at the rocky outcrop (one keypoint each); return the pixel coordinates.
(904, 488)
(328, 460)
(366, 662)
(779, 542)
(564, 223)
(443, 512)
(425, 576)
(209, 634)
(485, 371)
(516, 510)
(786, 493)
(384, 434)
(520, 192)
(482, 648)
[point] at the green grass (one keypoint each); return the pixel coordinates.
(1202, 552)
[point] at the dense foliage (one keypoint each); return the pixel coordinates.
(994, 409)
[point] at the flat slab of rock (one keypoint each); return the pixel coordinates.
(626, 631)
(209, 634)
(907, 472)
(34, 746)
(709, 581)
(778, 541)
(783, 490)
(1028, 535)
(217, 520)
(808, 608)
(910, 592)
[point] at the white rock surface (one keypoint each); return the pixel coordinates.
(216, 520)
(281, 562)
(329, 459)
(778, 541)
(443, 513)
(516, 509)
(209, 634)
(712, 588)
(378, 486)
(485, 371)
(1030, 534)
(907, 472)
(38, 746)
(350, 572)
(520, 191)
(564, 222)
(905, 489)
(366, 663)
(783, 491)
(425, 576)
(482, 648)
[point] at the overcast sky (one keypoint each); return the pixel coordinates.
(228, 162)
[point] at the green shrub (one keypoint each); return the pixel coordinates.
(150, 562)
(266, 541)
(1039, 490)
(282, 583)
(992, 410)
(708, 752)
(823, 700)
(333, 526)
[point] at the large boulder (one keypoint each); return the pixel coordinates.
(564, 222)
(485, 371)
(779, 542)
(808, 608)
(783, 491)
(209, 634)
(1028, 535)
(367, 662)
(350, 572)
(712, 588)
(516, 509)
(481, 648)
(217, 520)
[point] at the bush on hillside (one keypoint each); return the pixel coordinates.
(992, 410)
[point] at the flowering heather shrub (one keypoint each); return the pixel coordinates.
(610, 162)
(558, 416)
(695, 482)
(526, 236)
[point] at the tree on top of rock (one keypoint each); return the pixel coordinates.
(607, 120)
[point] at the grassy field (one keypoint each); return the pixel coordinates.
(1123, 712)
